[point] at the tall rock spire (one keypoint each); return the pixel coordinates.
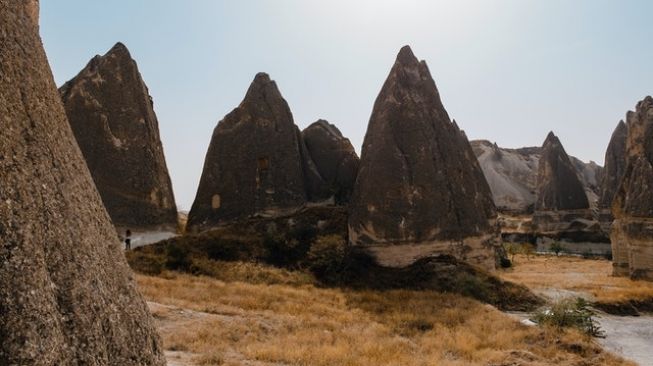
(256, 163)
(615, 164)
(111, 114)
(67, 296)
(632, 230)
(419, 190)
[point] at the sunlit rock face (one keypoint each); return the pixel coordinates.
(419, 191)
(334, 157)
(615, 164)
(256, 164)
(67, 296)
(111, 114)
(562, 209)
(632, 230)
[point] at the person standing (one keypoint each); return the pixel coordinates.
(128, 240)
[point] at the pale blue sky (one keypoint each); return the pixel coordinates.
(507, 70)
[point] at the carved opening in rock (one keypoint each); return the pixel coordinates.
(263, 164)
(216, 201)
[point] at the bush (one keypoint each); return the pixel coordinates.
(571, 313)
(177, 257)
(557, 247)
(144, 263)
(327, 258)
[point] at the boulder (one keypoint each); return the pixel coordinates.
(335, 159)
(418, 191)
(256, 164)
(67, 296)
(632, 207)
(111, 114)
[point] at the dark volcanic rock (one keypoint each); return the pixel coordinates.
(615, 164)
(558, 186)
(562, 210)
(256, 163)
(418, 192)
(66, 293)
(334, 157)
(112, 117)
(632, 230)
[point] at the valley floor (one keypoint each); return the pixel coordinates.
(267, 316)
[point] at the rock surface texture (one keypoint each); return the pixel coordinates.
(615, 164)
(418, 191)
(112, 116)
(256, 164)
(562, 210)
(632, 230)
(66, 292)
(335, 159)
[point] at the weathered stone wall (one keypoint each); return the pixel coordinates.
(66, 293)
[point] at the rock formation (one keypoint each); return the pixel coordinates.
(615, 164)
(335, 158)
(418, 192)
(562, 210)
(512, 176)
(66, 293)
(632, 230)
(112, 117)
(256, 164)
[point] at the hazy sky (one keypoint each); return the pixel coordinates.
(507, 70)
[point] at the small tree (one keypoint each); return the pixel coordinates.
(557, 247)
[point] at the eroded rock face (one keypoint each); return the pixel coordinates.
(512, 176)
(615, 164)
(562, 210)
(335, 159)
(418, 192)
(66, 293)
(256, 163)
(112, 116)
(632, 230)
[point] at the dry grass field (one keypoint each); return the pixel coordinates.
(259, 315)
(591, 278)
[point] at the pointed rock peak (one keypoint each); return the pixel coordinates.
(119, 50)
(262, 87)
(406, 56)
(325, 125)
(551, 139)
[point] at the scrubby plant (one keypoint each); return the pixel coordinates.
(557, 248)
(570, 314)
(177, 257)
(327, 258)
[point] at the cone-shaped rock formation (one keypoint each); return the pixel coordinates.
(66, 292)
(418, 192)
(256, 164)
(562, 210)
(615, 164)
(335, 158)
(632, 230)
(112, 117)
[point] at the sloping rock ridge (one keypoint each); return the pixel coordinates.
(615, 164)
(111, 114)
(67, 296)
(632, 230)
(419, 191)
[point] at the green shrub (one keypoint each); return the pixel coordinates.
(177, 257)
(557, 248)
(570, 313)
(327, 258)
(143, 263)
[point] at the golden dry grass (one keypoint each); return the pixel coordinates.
(588, 276)
(238, 323)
